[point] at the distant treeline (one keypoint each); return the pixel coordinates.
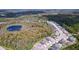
(63, 19)
(13, 14)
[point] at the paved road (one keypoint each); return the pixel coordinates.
(62, 35)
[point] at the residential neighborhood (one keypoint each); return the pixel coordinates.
(61, 39)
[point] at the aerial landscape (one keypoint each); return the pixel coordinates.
(39, 29)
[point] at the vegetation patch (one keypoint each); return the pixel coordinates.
(71, 24)
(30, 33)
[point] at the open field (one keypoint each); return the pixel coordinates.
(30, 33)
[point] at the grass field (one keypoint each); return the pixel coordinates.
(30, 33)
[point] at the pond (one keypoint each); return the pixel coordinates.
(14, 28)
